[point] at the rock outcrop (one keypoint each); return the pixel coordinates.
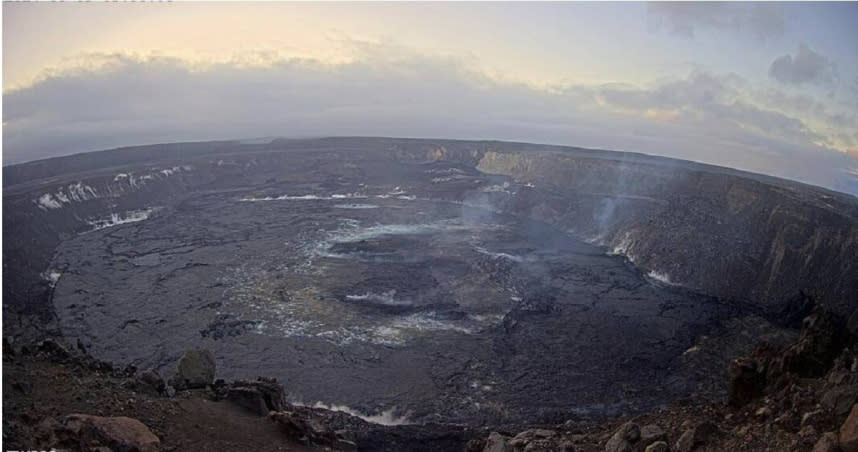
(196, 369)
(87, 432)
(826, 443)
(497, 443)
(746, 381)
(701, 434)
(849, 432)
(623, 439)
(795, 397)
(261, 396)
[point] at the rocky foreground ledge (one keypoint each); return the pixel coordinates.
(798, 397)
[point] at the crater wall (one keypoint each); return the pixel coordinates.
(723, 232)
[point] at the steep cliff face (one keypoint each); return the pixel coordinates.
(723, 232)
(37, 217)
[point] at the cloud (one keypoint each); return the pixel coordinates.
(705, 98)
(125, 100)
(806, 66)
(762, 20)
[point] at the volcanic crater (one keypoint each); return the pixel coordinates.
(432, 280)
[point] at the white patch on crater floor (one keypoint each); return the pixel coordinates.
(428, 322)
(660, 277)
(356, 206)
(51, 276)
(396, 193)
(498, 255)
(503, 188)
(387, 297)
(116, 219)
(348, 196)
(358, 234)
(623, 248)
(386, 417)
(304, 197)
(307, 314)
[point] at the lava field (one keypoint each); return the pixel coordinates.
(405, 279)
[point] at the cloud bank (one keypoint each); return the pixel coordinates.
(762, 20)
(720, 119)
(806, 66)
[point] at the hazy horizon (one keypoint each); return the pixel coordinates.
(770, 88)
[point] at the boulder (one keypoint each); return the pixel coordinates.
(840, 399)
(55, 349)
(705, 432)
(527, 437)
(304, 428)
(260, 396)
(196, 369)
(763, 412)
(151, 381)
(826, 443)
(623, 438)
(651, 434)
(700, 435)
(117, 433)
(807, 432)
(811, 417)
(497, 443)
(849, 432)
(746, 381)
(658, 446)
(821, 340)
(685, 443)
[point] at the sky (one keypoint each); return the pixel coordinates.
(765, 87)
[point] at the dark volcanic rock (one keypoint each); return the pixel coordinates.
(700, 435)
(650, 434)
(117, 433)
(746, 381)
(457, 281)
(260, 396)
(248, 398)
(624, 438)
(658, 446)
(196, 369)
(151, 380)
(306, 429)
(827, 443)
(55, 349)
(497, 443)
(223, 327)
(849, 432)
(823, 336)
(840, 399)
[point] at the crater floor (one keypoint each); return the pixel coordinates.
(387, 299)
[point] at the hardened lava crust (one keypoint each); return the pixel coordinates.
(423, 280)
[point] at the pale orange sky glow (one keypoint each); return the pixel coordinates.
(749, 81)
